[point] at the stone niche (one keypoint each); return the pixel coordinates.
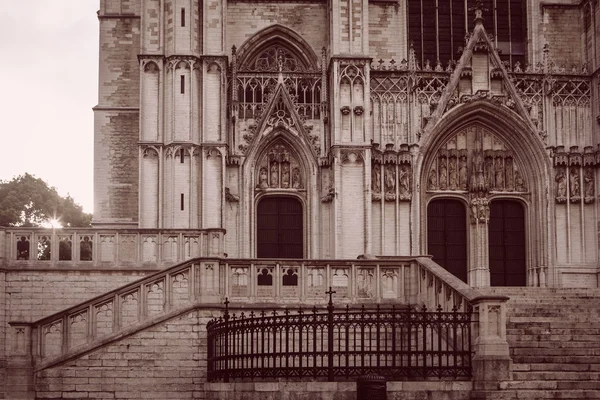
(279, 169)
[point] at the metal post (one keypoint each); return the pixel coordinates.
(330, 335)
(226, 338)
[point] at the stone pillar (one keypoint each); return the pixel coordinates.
(492, 363)
(479, 268)
(19, 378)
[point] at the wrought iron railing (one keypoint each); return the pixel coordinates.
(398, 343)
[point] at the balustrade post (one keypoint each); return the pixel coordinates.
(330, 335)
(492, 363)
(19, 371)
(226, 344)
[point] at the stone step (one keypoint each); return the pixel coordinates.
(533, 394)
(556, 367)
(549, 359)
(556, 351)
(518, 339)
(551, 323)
(548, 344)
(524, 329)
(566, 321)
(558, 376)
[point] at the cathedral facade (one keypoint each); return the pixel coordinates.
(273, 153)
(335, 129)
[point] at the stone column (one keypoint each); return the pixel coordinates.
(492, 363)
(479, 266)
(19, 378)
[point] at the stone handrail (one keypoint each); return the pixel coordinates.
(248, 283)
(102, 248)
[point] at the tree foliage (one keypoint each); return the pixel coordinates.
(29, 201)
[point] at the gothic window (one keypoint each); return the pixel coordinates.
(258, 74)
(437, 28)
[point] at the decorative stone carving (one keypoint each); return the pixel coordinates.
(232, 198)
(390, 182)
(327, 185)
(561, 186)
(493, 166)
(278, 169)
(588, 185)
(376, 183)
(480, 209)
(404, 182)
(574, 185)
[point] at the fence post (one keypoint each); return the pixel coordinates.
(226, 344)
(330, 335)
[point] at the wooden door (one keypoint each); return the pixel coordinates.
(507, 244)
(447, 235)
(279, 230)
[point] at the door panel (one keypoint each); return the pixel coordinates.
(447, 235)
(507, 244)
(279, 228)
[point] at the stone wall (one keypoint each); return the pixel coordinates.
(246, 19)
(166, 361)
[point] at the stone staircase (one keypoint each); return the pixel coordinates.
(554, 338)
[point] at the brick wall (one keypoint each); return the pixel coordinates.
(387, 31)
(563, 30)
(115, 166)
(166, 361)
(245, 19)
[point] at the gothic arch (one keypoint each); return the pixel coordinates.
(513, 165)
(280, 35)
(300, 157)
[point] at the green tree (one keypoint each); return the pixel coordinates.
(29, 201)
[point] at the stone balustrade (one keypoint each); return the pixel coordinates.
(93, 247)
(207, 282)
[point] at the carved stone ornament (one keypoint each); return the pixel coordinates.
(404, 182)
(561, 185)
(232, 198)
(345, 110)
(279, 169)
(376, 183)
(359, 110)
(475, 160)
(390, 182)
(588, 186)
(575, 185)
(480, 209)
(328, 191)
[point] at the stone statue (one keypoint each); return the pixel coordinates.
(274, 175)
(519, 182)
(285, 175)
(404, 182)
(574, 183)
(489, 173)
(499, 174)
(263, 184)
(510, 181)
(588, 189)
(432, 180)
(561, 186)
(452, 174)
(462, 172)
(296, 181)
(443, 175)
(376, 179)
(390, 182)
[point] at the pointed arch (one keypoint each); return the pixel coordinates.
(277, 36)
(510, 128)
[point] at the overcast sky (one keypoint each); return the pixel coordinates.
(49, 84)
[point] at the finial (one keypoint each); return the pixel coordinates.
(479, 9)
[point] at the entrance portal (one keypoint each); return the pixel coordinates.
(447, 235)
(279, 228)
(507, 244)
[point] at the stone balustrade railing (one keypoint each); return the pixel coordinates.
(249, 282)
(95, 247)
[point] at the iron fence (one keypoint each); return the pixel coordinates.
(328, 344)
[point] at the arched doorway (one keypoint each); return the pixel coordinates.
(507, 243)
(447, 235)
(279, 232)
